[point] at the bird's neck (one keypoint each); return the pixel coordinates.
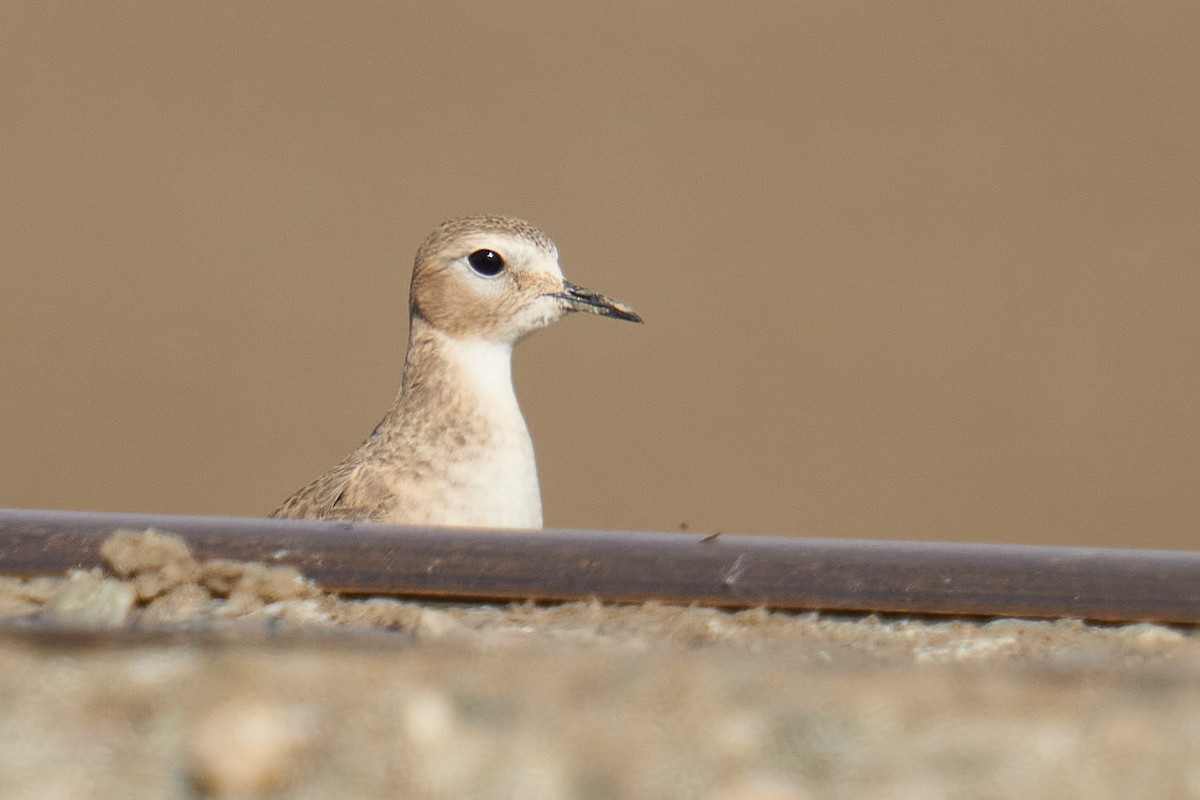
(457, 432)
(458, 375)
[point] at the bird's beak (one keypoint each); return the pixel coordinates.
(577, 298)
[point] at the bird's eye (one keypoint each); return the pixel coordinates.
(486, 262)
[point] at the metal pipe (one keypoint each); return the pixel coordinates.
(731, 571)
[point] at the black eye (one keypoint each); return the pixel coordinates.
(486, 262)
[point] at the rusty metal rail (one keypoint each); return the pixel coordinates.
(730, 571)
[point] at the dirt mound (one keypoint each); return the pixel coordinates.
(254, 683)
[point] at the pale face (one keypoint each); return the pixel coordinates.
(490, 285)
(498, 279)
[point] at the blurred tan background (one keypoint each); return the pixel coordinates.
(909, 270)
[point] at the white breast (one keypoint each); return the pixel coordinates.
(490, 480)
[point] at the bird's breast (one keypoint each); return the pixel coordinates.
(475, 482)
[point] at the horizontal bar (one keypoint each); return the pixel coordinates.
(730, 571)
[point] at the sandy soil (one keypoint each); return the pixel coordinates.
(165, 677)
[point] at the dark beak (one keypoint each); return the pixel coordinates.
(577, 298)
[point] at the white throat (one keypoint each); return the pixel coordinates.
(493, 479)
(484, 367)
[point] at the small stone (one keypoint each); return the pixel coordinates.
(239, 604)
(380, 612)
(39, 590)
(428, 718)
(309, 612)
(740, 735)
(1153, 637)
(182, 603)
(13, 602)
(242, 748)
(89, 600)
(220, 575)
(156, 562)
(267, 584)
(436, 624)
(273, 584)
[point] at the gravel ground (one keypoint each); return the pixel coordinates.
(168, 678)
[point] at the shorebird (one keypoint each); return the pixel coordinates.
(453, 449)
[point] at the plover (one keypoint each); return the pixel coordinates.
(453, 449)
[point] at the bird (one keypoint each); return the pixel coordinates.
(453, 449)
